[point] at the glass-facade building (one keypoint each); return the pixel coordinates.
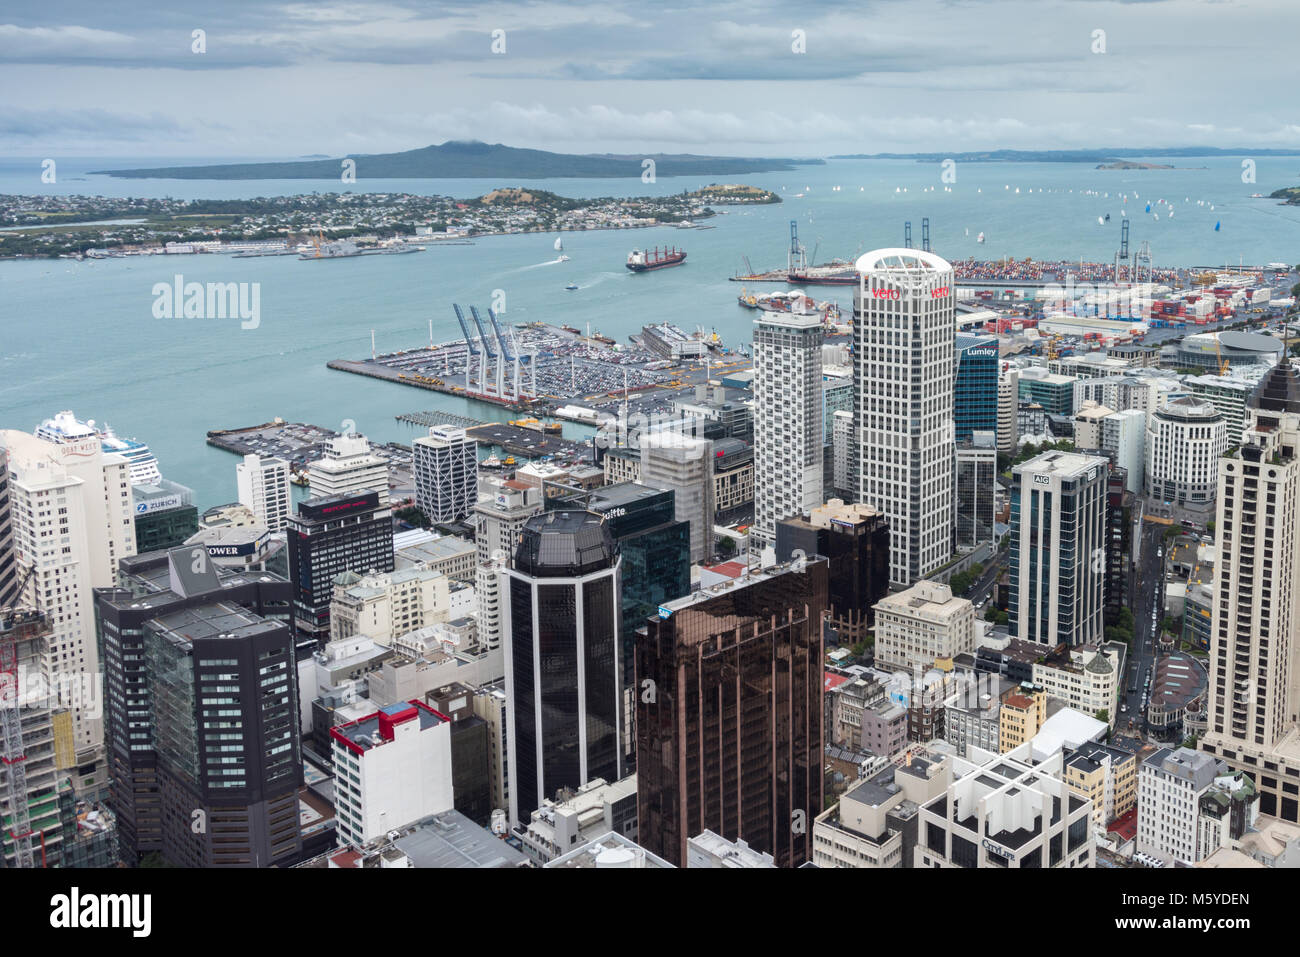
(855, 541)
(1057, 566)
(975, 401)
(328, 536)
(144, 736)
(729, 720)
(976, 482)
(563, 658)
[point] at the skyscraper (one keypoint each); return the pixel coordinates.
(729, 721)
(328, 536)
(446, 474)
(1254, 690)
(973, 491)
(789, 435)
(855, 541)
(560, 622)
(904, 330)
(1008, 408)
(1058, 549)
(500, 515)
(72, 523)
(684, 463)
(655, 554)
(202, 711)
(975, 403)
(263, 483)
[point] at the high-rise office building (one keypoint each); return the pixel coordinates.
(729, 719)
(788, 406)
(328, 536)
(843, 456)
(349, 466)
(1008, 407)
(560, 623)
(854, 539)
(1254, 690)
(263, 483)
(976, 461)
(503, 507)
(975, 401)
(164, 515)
(202, 711)
(1058, 549)
(655, 552)
(904, 328)
(446, 474)
(683, 463)
(72, 523)
(1184, 441)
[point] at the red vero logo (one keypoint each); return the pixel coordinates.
(885, 293)
(939, 293)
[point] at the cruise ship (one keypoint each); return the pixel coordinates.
(65, 427)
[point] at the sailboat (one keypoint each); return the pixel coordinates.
(559, 248)
(979, 238)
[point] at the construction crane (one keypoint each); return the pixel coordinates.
(12, 754)
(907, 234)
(473, 349)
(1218, 355)
(925, 233)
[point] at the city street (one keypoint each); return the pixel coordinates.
(1148, 597)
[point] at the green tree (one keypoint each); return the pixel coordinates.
(1103, 715)
(412, 515)
(960, 583)
(726, 545)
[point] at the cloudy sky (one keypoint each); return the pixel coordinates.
(290, 79)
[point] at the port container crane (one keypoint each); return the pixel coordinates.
(493, 353)
(473, 349)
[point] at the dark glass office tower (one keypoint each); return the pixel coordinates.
(975, 397)
(328, 536)
(201, 711)
(560, 624)
(729, 715)
(656, 562)
(855, 541)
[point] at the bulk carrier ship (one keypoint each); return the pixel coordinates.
(644, 261)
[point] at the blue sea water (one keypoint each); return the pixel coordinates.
(82, 335)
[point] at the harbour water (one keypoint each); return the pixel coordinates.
(83, 336)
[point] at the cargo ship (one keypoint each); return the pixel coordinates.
(838, 273)
(644, 261)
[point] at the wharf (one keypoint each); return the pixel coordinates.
(378, 370)
(527, 443)
(435, 417)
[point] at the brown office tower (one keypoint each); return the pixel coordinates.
(729, 715)
(855, 539)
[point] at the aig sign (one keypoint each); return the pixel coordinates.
(1042, 480)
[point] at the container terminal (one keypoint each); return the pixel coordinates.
(533, 364)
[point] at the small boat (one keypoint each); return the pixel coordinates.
(572, 285)
(979, 238)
